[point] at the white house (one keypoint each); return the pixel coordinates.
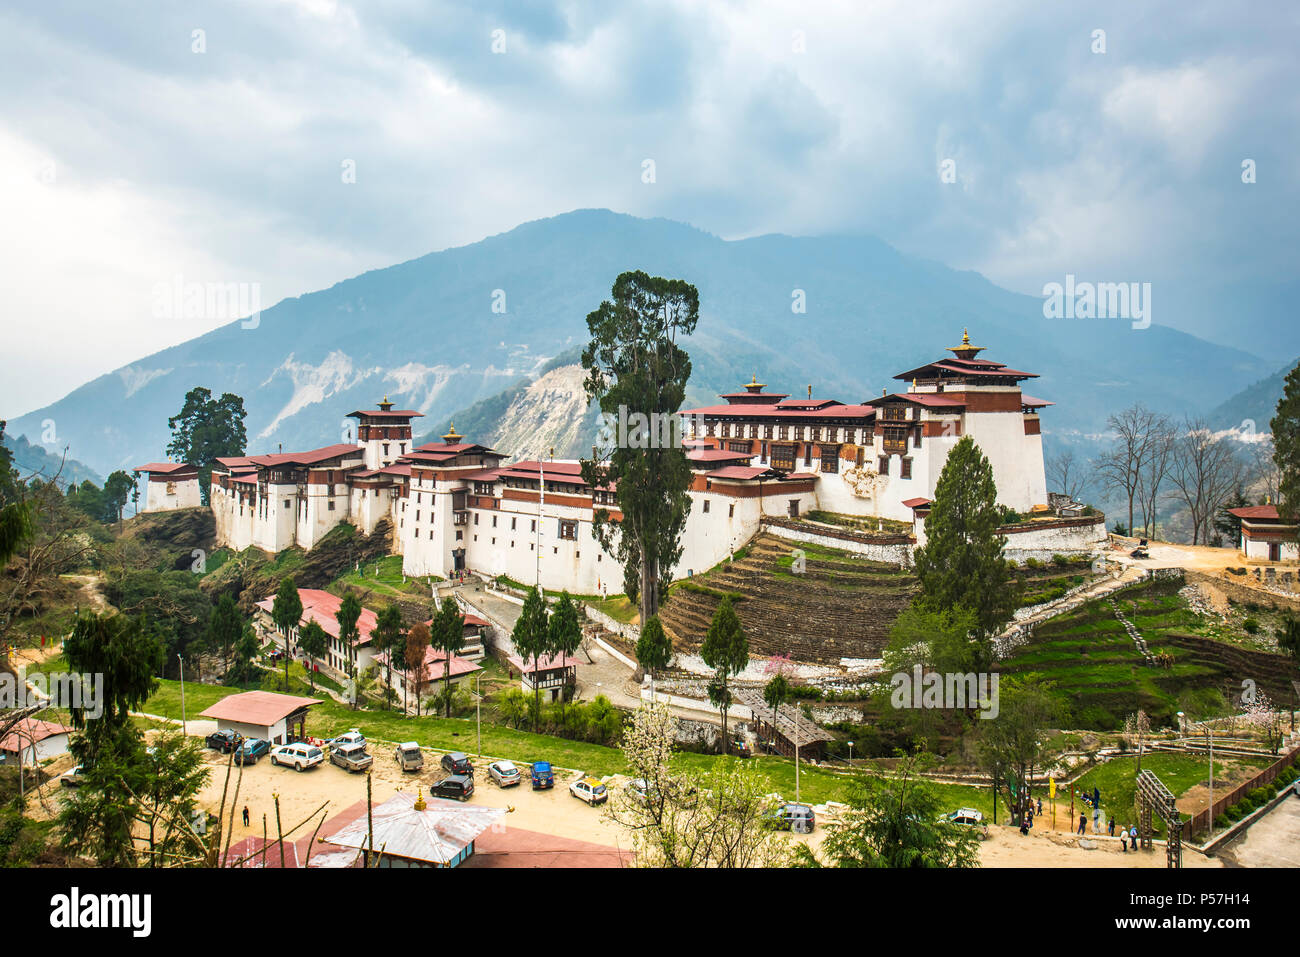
(169, 485)
(1266, 536)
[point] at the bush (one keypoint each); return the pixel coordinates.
(1251, 625)
(1060, 561)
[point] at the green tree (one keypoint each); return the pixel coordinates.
(726, 650)
(894, 821)
(653, 649)
(15, 516)
(565, 633)
(347, 615)
(448, 636)
(962, 562)
(1285, 427)
(206, 428)
(1011, 745)
(776, 693)
(245, 651)
(532, 639)
(937, 640)
(314, 642)
(98, 821)
(637, 374)
(1227, 524)
(387, 637)
(225, 628)
(286, 612)
(117, 491)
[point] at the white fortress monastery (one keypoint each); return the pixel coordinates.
(456, 505)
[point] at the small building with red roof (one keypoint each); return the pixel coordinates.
(32, 741)
(1266, 536)
(169, 485)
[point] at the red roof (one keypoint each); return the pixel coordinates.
(742, 472)
(1265, 513)
(166, 468)
(835, 411)
(310, 457)
(915, 502)
(932, 400)
(717, 455)
(1032, 401)
(544, 663)
(971, 367)
(29, 731)
(235, 461)
(434, 661)
(321, 607)
(262, 708)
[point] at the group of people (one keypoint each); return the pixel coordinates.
(1126, 836)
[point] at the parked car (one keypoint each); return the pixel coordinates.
(457, 762)
(542, 775)
(639, 789)
(589, 790)
(351, 737)
(251, 750)
(409, 756)
(457, 787)
(504, 773)
(969, 817)
(299, 756)
(73, 778)
(224, 741)
(793, 817)
(351, 757)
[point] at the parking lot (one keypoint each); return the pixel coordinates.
(552, 811)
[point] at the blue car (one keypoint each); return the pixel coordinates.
(543, 776)
(251, 750)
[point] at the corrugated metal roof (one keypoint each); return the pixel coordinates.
(434, 835)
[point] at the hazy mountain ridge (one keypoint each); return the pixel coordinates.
(425, 333)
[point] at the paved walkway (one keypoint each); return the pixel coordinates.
(1271, 841)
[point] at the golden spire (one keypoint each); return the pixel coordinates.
(420, 805)
(965, 337)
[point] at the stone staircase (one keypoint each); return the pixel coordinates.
(837, 608)
(1134, 634)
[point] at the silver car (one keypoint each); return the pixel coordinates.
(409, 756)
(504, 773)
(351, 757)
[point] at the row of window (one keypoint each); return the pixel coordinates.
(799, 433)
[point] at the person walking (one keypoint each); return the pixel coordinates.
(245, 815)
(1133, 837)
(1110, 828)
(1040, 807)
(1083, 823)
(1123, 839)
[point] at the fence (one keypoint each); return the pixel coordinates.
(1200, 822)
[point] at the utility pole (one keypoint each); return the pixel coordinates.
(184, 729)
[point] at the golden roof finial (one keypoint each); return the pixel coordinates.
(420, 805)
(965, 337)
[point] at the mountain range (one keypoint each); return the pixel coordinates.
(466, 332)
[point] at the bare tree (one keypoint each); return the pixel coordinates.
(1161, 438)
(1124, 468)
(1264, 474)
(1205, 470)
(1067, 474)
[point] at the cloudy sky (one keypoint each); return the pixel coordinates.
(212, 141)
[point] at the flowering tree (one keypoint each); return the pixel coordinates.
(1262, 715)
(690, 819)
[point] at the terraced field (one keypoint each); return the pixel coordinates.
(1092, 659)
(841, 606)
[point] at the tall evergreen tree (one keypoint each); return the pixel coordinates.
(962, 563)
(726, 651)
(314, 642)
(448, 636)
(286, 612)
(387, 637)
(637, 374)
(206, 428)
(653, 648)
(225, 628)
(1285, 427)
(532, 639)
(347, 615)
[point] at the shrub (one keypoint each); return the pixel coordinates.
(1251, 625)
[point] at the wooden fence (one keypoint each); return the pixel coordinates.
(1200, 822)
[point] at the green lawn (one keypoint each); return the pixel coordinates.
(1117, 780)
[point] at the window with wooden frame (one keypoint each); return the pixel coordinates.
(568, 529)
(830, 455)
(905, 470)
(783, 456)
(884, 465)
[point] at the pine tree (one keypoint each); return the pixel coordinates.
(962, 563)
(1285, 427)
(286, 612)
(532, 639)
(448, 636)
(347, 615)
(653, 648)
(726, 651)
(387, 637)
